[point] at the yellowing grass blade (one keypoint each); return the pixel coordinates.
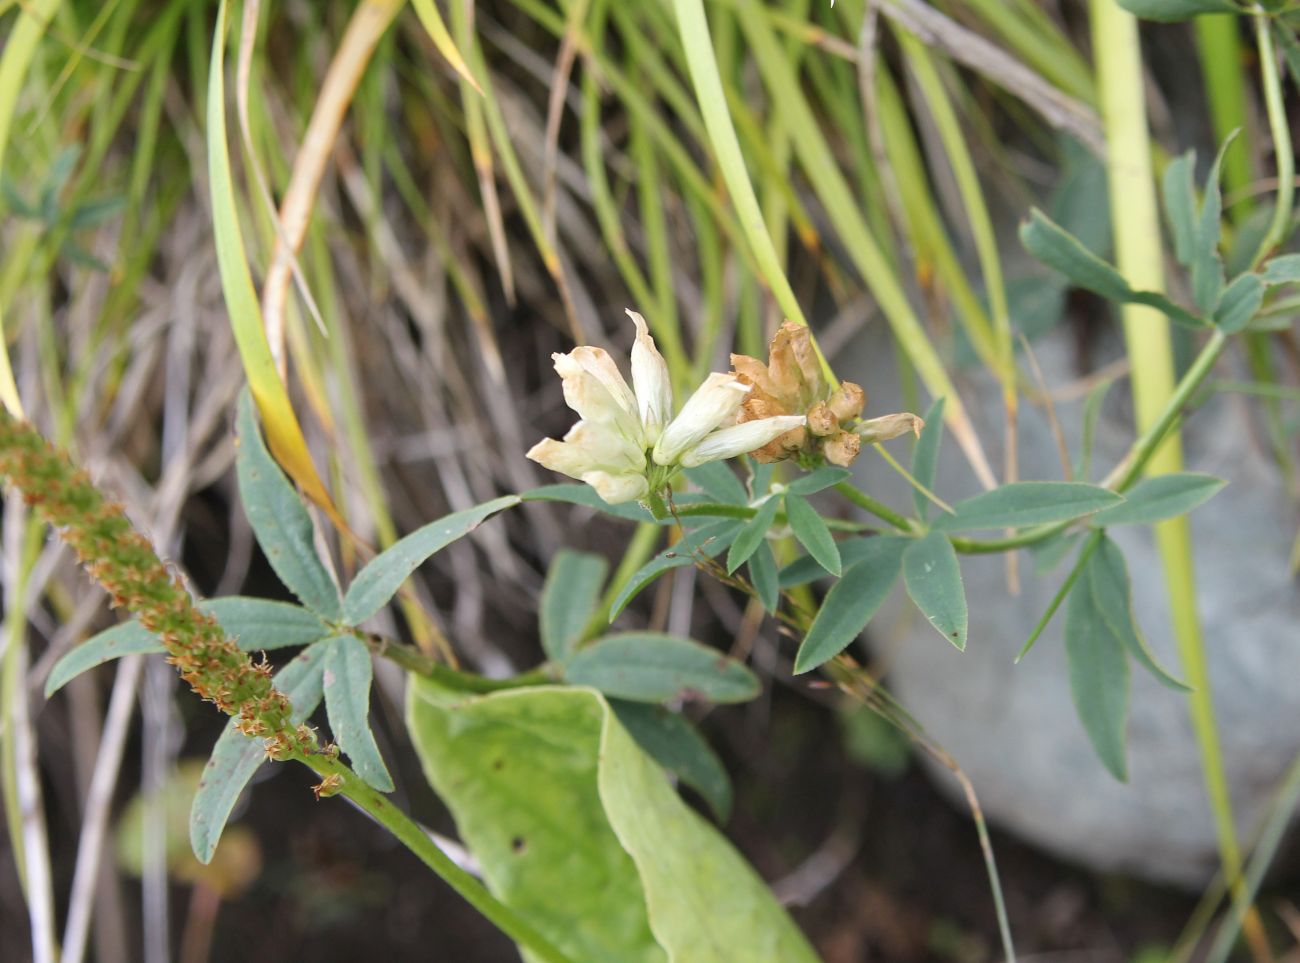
(433, 23)
(283, 433)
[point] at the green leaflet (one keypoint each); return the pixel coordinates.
(933, 579)
(569, 597)
(675, 744)
(384, 574)
(1027, 503)
(235, 757)
(551, 795)
(1160, 497)
(851, 602)
(280, 520)
(651, 667)
(348, 674)
(254, 623)
(812, 532)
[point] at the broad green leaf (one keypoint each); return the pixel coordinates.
(704, 902)
(578, 831)
(1170, 11)
(236, 757)
(569, 598)
(280, 520)
(1161, 497)
(1239, 303)
(925, 456)
(1058, 249)
(348, 674)
(765, 578)
(652, 667)
(670, 740)
(752, 534)
(933, 579)
(129, 638)
(1283, 269)
(818, 480)
(1180, 205)
(384, 574)
(707, 540)
(1099, 676)
(1027, 503)
(585, 495)
(254, 624)
(518, 770)
(812, 532)
(719, 482)
(1113, 596)
(851, 602)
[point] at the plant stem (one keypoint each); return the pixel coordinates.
(382, 811)
(1281, 133)
(882, 511)
(413, 660)
(1139, 257)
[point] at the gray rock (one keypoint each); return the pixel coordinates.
(1013, 728)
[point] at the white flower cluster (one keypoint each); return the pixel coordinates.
(628, 444)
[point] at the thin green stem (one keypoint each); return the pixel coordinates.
(343, 781)
(882, 511)
(1281, 132)
(413, 660)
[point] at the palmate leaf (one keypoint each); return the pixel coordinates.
(933, 579)
(236, 757)
(653, 667)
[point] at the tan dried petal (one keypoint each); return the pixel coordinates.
(821, 422)
(753, 371)
(847, 402)
(843, 448)
(890, 426)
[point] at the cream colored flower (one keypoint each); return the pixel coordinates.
(628, 445)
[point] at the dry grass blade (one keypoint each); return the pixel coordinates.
(368, 25)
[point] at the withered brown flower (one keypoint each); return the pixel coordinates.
(792, 383)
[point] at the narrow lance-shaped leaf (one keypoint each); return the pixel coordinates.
(933, 578)
(819, 480)
(235, 757)
(379, 581)
(812, 533)
(752, 534)
(280, 520)
(1163, 496)
(1207, 265)
(1283, 269)
(569, 598)
(255, 624)
(348, 674)
(1099, 676)
(670, 740)
(765, 577)
(651, 667)
(719, 482)
(1027, 503)
(1239, 303)
(707, 540)
(1113, 597)
(805, 568)
(1180, 205)
(585, 495)
(851, 602)
(925, 456)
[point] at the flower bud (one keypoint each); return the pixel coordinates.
(842, 449)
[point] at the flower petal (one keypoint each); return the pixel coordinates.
(587, 393)
(654, 390)
(714, 403)
(615, 488)
(602, 367)
(738, 439)
(586, 448)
